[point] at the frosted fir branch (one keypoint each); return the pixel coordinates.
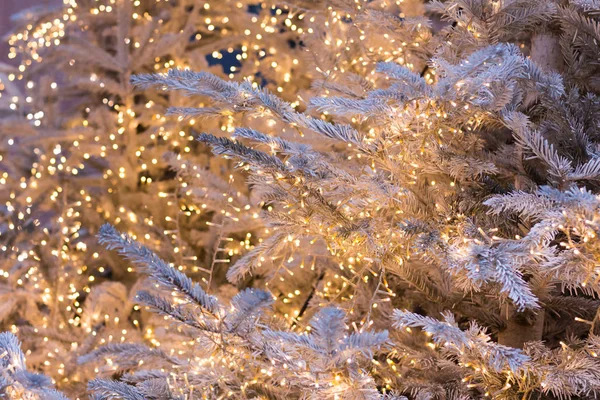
(328, 327)
(588, 5)
(253, 259)
(140, 376)
(575, 271)
(274, 142)
(534, 143)
(329, 338)
(548, 207)
(270, 101)
(495, 356)
(319, 84)
(550, 83)
(11, 354)
(344, 133)
(365, 341)
(363, 108)
(107, 389)
(491, 78)
(490, 63)
(192, 83)
(51, 394)
(395, 94)
(503, 23)
(249, 301)
(242, 97)
(585, 26)
(261, 348)
(421, 281)
(590, 170)
(204, 184)
(127, 354)
(441, 332)
(411, 81)
(561, 212)
(92, 55)
(155, 389)
(528, 205)
(32, 381)
(496, 77)
(16, 379)
(287, 114)
(192, 112)
(569, 372)
(520, 16)
(247, 305)
(568, 199)
(542, 149)
(266, 391)
(407, 27)
(515, 287)
(230, 148)
(158, 269)
(498, 263)
(460, 166)
(292, 338)
(178, 313)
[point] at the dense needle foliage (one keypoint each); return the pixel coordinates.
(410, 209)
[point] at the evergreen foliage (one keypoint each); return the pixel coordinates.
(421, 222)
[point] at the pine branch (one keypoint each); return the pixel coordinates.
(158, 269)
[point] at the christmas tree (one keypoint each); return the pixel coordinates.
(81, 146)
(425, 217)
